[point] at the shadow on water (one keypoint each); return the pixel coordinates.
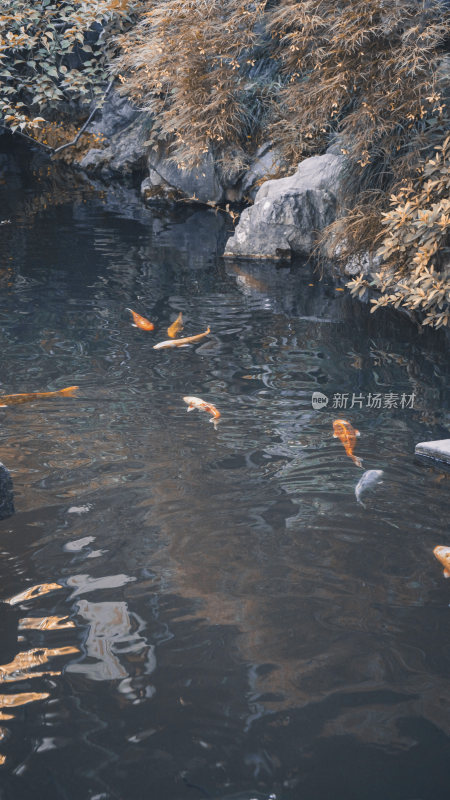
(194, 613)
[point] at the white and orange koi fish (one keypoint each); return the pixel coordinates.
(202, 405)
(182, 342)
(443, 555)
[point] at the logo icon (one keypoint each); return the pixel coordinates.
(319, 400)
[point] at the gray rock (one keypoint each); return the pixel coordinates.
(288, 213)
(202, 182)
(6, 493)
(363, 264)
(125, 130)
(266, 162)
(438, 450)
(117, 113)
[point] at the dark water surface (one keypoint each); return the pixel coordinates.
(197, 613)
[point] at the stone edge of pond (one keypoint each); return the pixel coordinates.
(436, 452)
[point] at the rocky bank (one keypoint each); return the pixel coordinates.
(284, 215)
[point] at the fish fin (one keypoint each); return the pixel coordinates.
(446, 573)
(180, 345)
(4, 405)
(357, 433)
(133, 325)
(361, 503)
(190, 408)
(335, 436)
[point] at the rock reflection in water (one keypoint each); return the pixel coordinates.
(114, 635)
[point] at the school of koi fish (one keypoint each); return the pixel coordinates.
(342, 428)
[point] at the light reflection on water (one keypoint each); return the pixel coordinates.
(213, 609)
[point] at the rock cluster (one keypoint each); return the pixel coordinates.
(287, 213)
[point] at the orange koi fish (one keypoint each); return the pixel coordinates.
(201, 405)
(347, 434)
(443, 555)
(176, 326)
(141, 322)
(16, 399)
(182, 342)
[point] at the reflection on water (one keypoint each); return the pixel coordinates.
(34, 591)
(19, 669)
(45, 623)
(113, 632)
(190, 612)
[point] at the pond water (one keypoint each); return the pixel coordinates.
(190, 612)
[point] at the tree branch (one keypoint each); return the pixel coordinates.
(83, 127)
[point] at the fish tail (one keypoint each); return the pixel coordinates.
(357, 460)
(69, 391)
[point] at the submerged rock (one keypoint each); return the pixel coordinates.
(6, 493)
(289, 212)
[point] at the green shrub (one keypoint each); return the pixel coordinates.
(52, 53)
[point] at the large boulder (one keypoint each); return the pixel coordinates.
(288, 213)
(209, 182)
(124, 130)
(166, 177)
(266, 162)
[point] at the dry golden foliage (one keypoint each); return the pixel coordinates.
(188, 62)
(415, 248)
(366, 68)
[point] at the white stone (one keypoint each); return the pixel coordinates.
(438, 450)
